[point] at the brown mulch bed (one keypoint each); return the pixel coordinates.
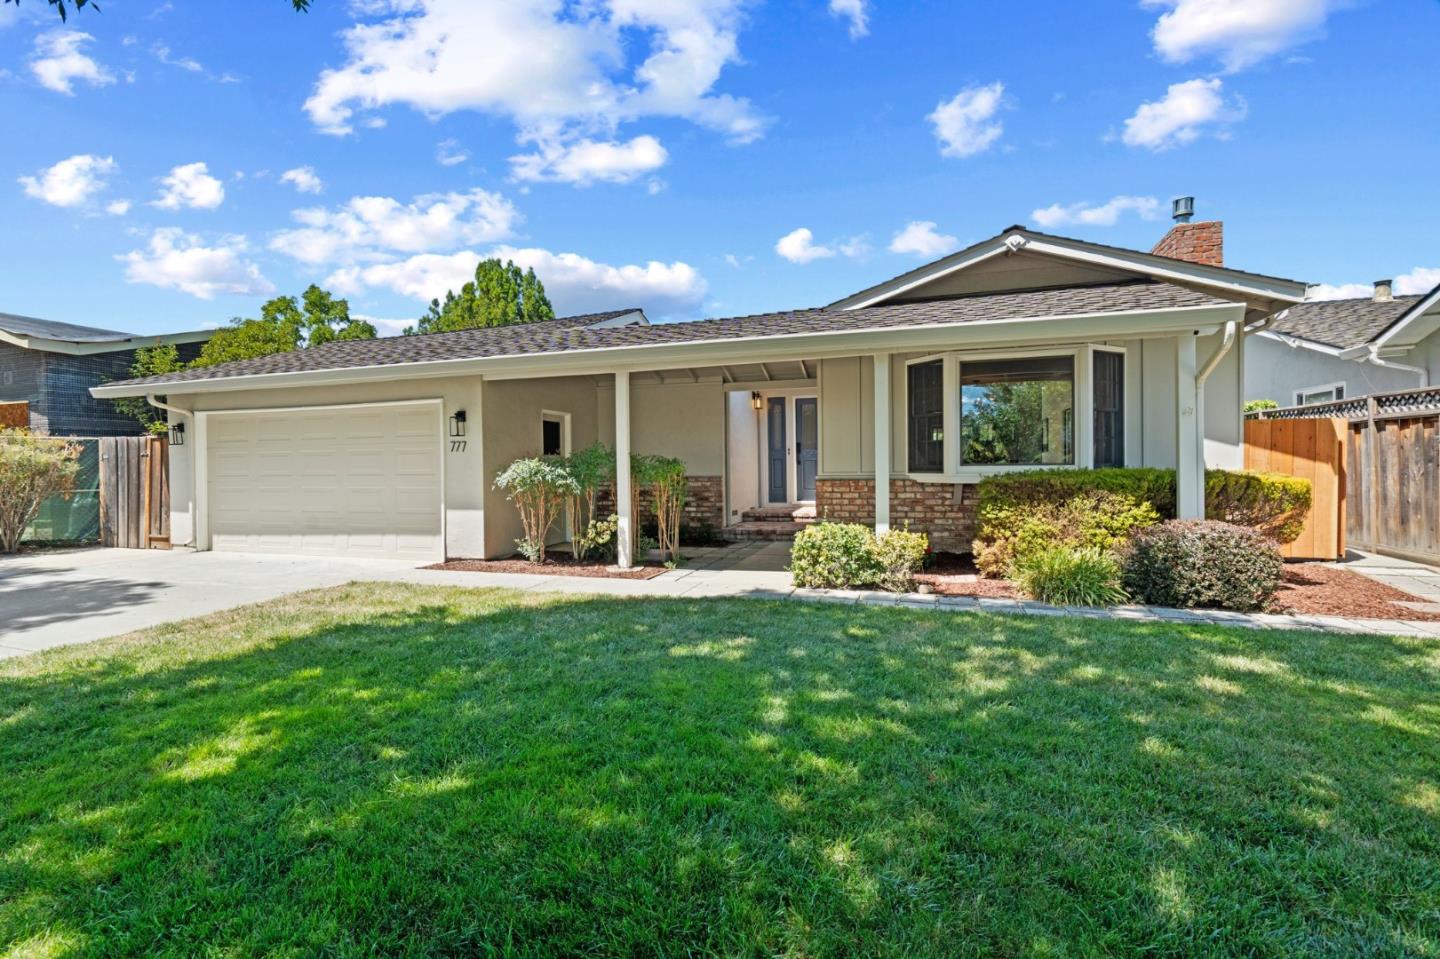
(950, 574)
(1320, 589)
(561, 565)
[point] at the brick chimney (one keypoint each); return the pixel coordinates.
(1196, 242)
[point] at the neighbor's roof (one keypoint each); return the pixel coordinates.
(580, 333)
(1342, 324)
(51, 330)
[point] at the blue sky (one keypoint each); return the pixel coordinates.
(670, 154)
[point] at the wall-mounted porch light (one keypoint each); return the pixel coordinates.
(177, 434)
(757, 402)
(457, 423)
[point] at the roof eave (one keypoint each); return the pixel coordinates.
(1414, 324)
(635, 358)
(93, 347)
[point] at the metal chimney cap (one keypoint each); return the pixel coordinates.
(1182, 209)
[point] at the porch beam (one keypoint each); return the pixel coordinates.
(624, 507)
(882, 442)
(1189, 464)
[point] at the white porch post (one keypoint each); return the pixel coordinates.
(1189, 466)
(882, 442)
(624, 533)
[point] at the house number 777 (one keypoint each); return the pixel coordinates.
(457, 446)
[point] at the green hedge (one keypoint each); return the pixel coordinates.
(851, 556)
(1203, 564)
(1018, 513)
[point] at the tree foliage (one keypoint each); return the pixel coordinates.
(302, 6)
(500, 295)
(286, 324)
(32, 469)
(154, 360)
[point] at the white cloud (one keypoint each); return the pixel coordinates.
(585, 161)
(58, 62)
(1184, 113)
(574, 283)
(176, 260)
(1238, 32)
(1418, 281)
(1107, 214)
(965, 124)
(304, 179)
(190, 186)
(72, 181)
(374, 227)
(544, 64)
(921, 238)
(165, 56)
(856, 12)
(118, 207)
(450, 153)
(798, 246)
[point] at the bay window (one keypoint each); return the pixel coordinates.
(1018, 412)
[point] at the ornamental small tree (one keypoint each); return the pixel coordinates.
(664, 478)
(591, 468)
(540, 488)
(32, 469)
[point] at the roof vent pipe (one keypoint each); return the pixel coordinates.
(1384, 291)
(1182, 209)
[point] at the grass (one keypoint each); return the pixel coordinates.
(407, 770)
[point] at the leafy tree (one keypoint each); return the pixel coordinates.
(300, 5)
(150, 361)
(32, 469)
(500, 295)
(286, 324)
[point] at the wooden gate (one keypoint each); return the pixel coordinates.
(135, 492)
(1312, 449)
(1397, 501)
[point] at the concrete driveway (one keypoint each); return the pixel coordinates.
(74, 596)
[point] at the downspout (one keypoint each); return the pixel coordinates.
(1374, 357)
(1227, 343)
(194, 501)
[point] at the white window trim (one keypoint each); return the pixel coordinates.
(1331, 387)
(1084, 407)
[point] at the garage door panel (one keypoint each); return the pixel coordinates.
(355, 482)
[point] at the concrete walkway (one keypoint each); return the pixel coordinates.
(1420, 581)
(56, 599)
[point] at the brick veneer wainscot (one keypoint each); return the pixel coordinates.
(943, 511)
(704, 503)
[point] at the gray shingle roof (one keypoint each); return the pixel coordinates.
(1341, 323)
(51, 330)
(575, 333)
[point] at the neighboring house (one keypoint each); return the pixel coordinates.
(1024, 350)
(1326, 350)
(51, 366)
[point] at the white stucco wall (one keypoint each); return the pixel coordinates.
(1275, 370)
(742, 468)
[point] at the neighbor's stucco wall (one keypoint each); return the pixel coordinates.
(511, 430)
(1275, 370)
(464, 479)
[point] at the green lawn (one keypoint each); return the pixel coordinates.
(405, 770)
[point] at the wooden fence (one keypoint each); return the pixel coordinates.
(1312, 449)
(135, 492)
(15, 414)
(1392, 468)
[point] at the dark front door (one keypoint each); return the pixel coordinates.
(807, 447)
(779, 459)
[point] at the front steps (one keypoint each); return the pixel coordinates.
(769, 523)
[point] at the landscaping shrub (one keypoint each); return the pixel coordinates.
(835, 556)
(32, 469)
(1272, 503)
(592, 468)
(901, 554)
(851, 556)
(540, 488)
(1069, 576)
(1202, 563)
(1019, 512)
(664, 478)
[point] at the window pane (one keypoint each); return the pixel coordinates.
(1109, 408)
(926, 417)
(550, 442)
(1019, 412)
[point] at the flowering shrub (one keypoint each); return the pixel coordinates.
(539, 487)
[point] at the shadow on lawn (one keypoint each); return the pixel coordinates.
(475, 769)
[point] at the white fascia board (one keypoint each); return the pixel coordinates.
(1296, 342)
(1419, 321)
(68, 348)
(734, 351)
(943, 267)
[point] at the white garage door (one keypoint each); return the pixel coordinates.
(352, 481)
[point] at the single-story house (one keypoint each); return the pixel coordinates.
(1326, 350)
(52, 366)
(1025, 350)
